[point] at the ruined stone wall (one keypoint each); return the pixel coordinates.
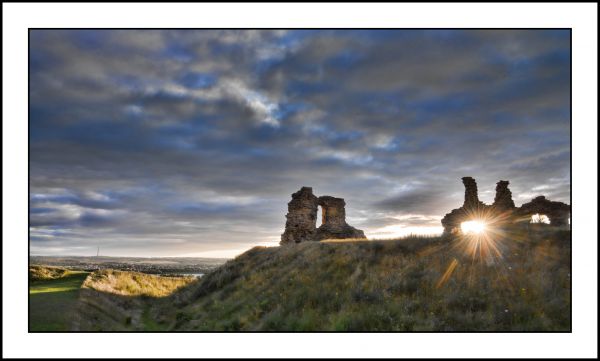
(503, 200)
(471, 206)
(301, 219)
(471, 196)
(557, 212)
(334, 210)
(334, 220)
(503, 212)
(302, 215)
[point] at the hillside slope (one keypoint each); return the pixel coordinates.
(44, 273)
(416, 284)
(412, 284)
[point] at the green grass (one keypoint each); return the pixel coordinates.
(149, 323)
(52, 302)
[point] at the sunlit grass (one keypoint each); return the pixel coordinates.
(135, 283)
(345, 240)
(40, 272)
(62, 285)
(52, 301)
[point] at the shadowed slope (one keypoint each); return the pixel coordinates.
(118, 300)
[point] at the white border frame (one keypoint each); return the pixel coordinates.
(582, 18)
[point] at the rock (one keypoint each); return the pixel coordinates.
(302, 216)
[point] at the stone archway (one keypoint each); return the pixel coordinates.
(301, 223)
(334, 220)
(558, 213)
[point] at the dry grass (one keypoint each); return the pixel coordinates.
(345, 240)
(41, 273)
(134, 283)
(412, 284)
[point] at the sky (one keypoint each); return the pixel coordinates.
(191, 142)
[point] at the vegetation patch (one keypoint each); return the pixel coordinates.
(135, 283)
(42, 273)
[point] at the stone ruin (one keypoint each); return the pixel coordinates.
(557, 212)
(301, 224)
(503, 199)
(503, 212)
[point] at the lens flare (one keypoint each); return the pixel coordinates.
(474, 227)
(481, 235)
(485, 238)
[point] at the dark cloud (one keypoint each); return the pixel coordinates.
(181, 142)
(421, 201)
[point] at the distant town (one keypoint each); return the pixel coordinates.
(158, 265)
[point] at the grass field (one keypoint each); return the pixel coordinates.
(52, 302)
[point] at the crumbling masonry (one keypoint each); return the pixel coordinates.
(301, 224)
(503, 212)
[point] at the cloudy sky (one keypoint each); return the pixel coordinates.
(190, 143)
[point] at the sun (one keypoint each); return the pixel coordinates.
(473, 227)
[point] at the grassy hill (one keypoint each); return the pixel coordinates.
(45, 273)
(411, 284)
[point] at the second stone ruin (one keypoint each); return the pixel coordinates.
(503, 213)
